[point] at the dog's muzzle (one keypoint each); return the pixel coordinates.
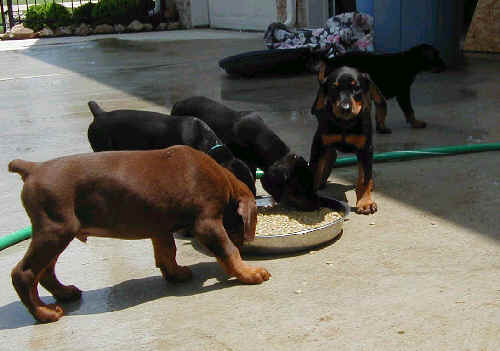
(345, 107)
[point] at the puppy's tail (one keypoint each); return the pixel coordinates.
(95, 109)
(23, 168)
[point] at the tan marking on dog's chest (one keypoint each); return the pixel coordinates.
(328, 139)
(359, 141)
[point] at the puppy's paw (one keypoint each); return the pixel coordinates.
(383, 130)
(48, 313)
(253, 275)
(366, 207)
(418, 124)
(181, 274)
(68, 293)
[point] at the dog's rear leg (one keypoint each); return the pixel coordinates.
(404, 102)
(211, 233)
(61, 292)
(44, 248)
(165, 251)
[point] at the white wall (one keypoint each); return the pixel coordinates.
(242, 14)
(199, 13)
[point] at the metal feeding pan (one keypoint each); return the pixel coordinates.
(302, 240)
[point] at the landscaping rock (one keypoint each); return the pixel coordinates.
(82, 29)
(46, 32)
(135, 26)
(21, 32)
(148, 27)
(174, 25)
(62, 31)
(104, 29)
(161, 26)
(119, 28)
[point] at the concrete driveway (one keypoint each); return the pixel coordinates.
(423, 273)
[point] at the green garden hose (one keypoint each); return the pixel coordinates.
(412, 154)
(14, 238)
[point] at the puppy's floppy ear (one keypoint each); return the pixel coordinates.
(320, 101)
(374, 91)
(247, 209)
(364, 82)
(375, 95)
(323, 72)
(368, 86)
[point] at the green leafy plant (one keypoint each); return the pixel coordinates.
(83, 13)
(35, 17)
(120, 11)
(57, 15)
(51, 14)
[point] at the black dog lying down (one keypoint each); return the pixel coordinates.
(144, 130)
(394, 74)
(287, 177)
(343, 108)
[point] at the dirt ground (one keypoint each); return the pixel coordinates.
(423, 273)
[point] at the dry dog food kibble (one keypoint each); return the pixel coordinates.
(280, 220)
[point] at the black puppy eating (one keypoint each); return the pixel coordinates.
(394, 74)
(343, 108)
(287, 176)
(144, 130)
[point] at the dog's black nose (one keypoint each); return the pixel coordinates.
(345, 107)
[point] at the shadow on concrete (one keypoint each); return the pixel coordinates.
(129, 293)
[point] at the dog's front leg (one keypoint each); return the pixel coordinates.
(364, 202)
(322, 160)
(212, 234)
(404, 101)
(165, 251)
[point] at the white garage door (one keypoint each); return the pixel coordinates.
(242, 14)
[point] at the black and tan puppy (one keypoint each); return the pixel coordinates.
(287, 176)
(343, 110)
(130, 195)
(394, 74)
(143, 130)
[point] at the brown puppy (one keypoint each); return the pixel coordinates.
(130, 195)
(343, 110)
